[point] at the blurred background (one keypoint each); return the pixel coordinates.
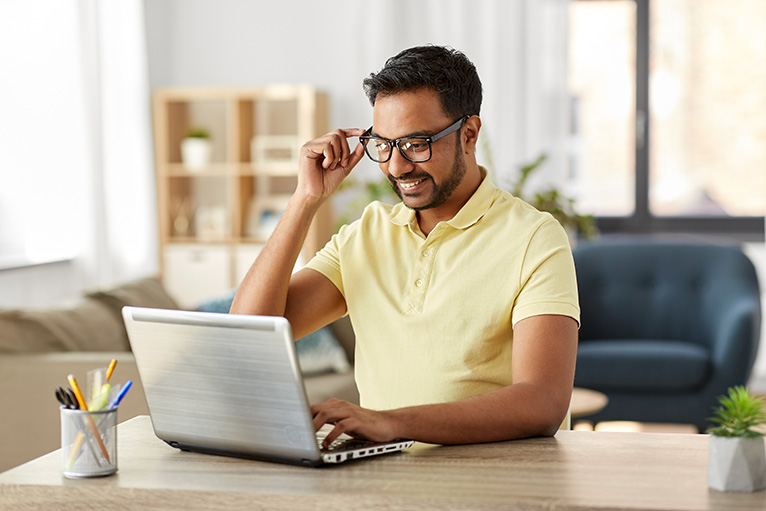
(651, 114)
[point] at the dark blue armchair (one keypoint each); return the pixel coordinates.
(666, 327)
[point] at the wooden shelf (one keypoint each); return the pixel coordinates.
(255, 137)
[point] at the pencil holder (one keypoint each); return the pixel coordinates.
(88, 443)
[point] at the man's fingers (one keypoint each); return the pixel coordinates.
(355, 156)
(332, 436)
(352, 132)
(333, 148)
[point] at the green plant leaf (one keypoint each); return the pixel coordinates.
(738, 413)
(197, 132)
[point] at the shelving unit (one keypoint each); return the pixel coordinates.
(215, 219)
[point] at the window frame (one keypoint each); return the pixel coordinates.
(642, 221)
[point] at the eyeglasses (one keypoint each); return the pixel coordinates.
(414, 149)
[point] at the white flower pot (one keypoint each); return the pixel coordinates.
(736, 464)
(195, 153)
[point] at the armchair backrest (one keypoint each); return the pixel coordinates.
(649, 290)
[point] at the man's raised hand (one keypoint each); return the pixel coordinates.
(325, 162)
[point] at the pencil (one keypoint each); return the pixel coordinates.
(110, 369)
(84, 407)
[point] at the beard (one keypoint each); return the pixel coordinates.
(441, 192)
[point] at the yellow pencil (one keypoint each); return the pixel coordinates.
(84, 407)
(95, 406)
(110, 369)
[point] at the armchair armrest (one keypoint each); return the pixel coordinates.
(736, 339)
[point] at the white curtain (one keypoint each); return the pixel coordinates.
(520, 50)
(124, 245)
(76, 174)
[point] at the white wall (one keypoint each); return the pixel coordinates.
(519, 49)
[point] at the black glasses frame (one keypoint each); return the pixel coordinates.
(398, 142)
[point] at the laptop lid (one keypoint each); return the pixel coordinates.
(223, 383)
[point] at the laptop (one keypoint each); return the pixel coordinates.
(231, 385)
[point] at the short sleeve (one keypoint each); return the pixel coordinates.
(327, 261)
(547, 282)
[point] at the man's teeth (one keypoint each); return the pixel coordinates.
(407, 186)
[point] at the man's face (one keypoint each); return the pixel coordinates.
(428, 184)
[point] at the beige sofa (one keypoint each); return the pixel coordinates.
(40, 347)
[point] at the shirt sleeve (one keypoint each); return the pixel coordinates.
(547, 282)
(327, 262)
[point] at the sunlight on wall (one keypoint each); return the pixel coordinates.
(43, 156)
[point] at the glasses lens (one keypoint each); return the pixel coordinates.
(377, 149)
(416, 149)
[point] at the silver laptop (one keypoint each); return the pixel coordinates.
(231, 385)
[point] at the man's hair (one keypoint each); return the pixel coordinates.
(442, 69)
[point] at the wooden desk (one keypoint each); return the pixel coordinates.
(575, 470)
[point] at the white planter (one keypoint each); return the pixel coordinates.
(195, 153)
(736, 464)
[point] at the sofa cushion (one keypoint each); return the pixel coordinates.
(641, 365)
(318, 352)
(146, 292)
(84, 325)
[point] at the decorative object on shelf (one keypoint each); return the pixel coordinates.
(195, 149)
(736, 457)
(265, 212)
(275, 152)
(211, 223)
(182, 220)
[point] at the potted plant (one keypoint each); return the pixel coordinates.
(195, 149)
(736, 457)
(551, 200)
(554, 202)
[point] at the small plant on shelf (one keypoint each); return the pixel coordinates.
(197, 132)
(195, 149)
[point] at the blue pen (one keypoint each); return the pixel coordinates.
(123, 391)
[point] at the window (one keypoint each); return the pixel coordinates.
(669, 114)
(42, 127)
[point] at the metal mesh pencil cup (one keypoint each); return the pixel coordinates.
(88, 443)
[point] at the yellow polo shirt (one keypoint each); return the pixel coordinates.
(433, 316)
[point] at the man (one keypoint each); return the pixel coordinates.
(463, 298)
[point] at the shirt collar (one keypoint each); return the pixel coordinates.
(469, 214)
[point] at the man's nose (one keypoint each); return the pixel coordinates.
(398, 165)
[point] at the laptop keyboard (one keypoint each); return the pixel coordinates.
(343, 444)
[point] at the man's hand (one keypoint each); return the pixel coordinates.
(353, 420)
(544, 354)
(325, 162)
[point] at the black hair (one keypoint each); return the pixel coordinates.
(442, 69)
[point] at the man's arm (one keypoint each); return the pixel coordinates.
(308, 299)
(544, 353)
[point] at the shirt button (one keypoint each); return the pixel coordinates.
(426, 253)
(419, 282)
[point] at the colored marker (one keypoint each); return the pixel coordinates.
(123, 391)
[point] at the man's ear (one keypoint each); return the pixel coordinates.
(470, 133)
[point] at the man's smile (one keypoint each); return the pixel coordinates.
(410, 184)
